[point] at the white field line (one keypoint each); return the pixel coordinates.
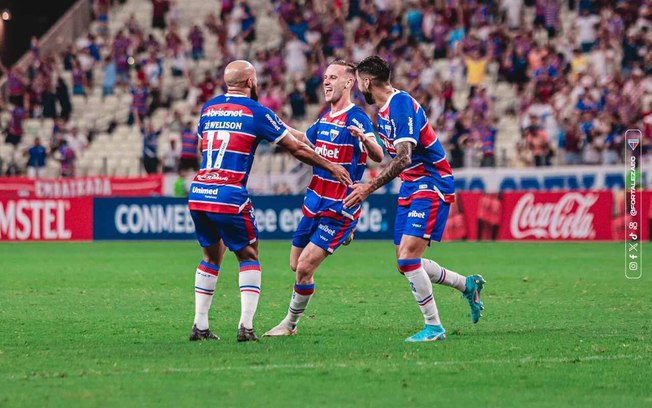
(272, 367)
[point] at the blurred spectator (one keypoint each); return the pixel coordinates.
(110, 76)
(49, 100)
(189, 159)
(160, 8)
(295, 57)
(173, 14)
(298, 104)
(76, 141)
(537, 143)
(78, 79)
(572, 143)
(171, 158)
(487, 133)
(207, 87)
(36, 159)
(63, 96)
(458, 143)
(586, 25)
(180, 189)
(66, 156)
(15, 129)
(151, 137)
(196, 39)
(153, 74)
(476, 67)
(139, 102)
(15, 85)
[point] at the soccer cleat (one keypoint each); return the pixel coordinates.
(474, 285)
(428, 333)
(245, 334)
(197, 334)
(280, 330)
(349, 239)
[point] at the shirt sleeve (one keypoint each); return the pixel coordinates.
(360, 120)
(403, 115)
(268, 125)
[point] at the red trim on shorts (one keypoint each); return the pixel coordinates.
(340, 235)
(432, 218)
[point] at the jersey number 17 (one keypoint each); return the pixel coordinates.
(216, 144)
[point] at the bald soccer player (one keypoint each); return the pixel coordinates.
(344, 135)
(230, 128)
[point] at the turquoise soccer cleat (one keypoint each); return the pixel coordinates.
(428, 333)
(474, 285)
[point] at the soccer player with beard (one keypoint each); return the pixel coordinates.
(344, 135)
(230, 128)
(425, 196)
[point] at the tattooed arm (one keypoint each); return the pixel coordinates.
(402, 160)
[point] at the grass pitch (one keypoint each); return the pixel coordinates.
(106, 324)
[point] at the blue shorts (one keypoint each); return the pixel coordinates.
(424, 218)
(326, 232)
(236, 230)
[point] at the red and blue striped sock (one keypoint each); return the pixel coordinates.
(301, 296)
(250, 278)
(205, 281)
(421, 288)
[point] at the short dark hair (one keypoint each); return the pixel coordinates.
(376, 67)
(350, 68)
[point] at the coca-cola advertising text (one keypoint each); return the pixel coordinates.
(569, 215)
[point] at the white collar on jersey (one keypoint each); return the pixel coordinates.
(389, 100)
(235, 95)
(338, 113)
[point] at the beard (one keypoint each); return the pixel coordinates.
(254, 93)
(368, 97)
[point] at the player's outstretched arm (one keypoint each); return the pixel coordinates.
(369, 142)
(299, 135)
(304, 153)
(402, 160)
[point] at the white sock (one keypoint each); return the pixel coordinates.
(250, 278)
(421, 289)
(301, 296)
(205, 281)
(442, 276)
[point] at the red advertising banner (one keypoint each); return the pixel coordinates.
(571, 215)
(46, 220)
(549, 216)
(22, 187)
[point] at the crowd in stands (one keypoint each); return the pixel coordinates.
(576, 73)
(577, 87)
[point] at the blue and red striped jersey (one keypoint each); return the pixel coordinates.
(230, 127)
(332, 140)
(402, 119)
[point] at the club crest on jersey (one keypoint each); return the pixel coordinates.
(388, 130)
(333, 134)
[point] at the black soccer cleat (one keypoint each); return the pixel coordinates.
(196, 334)
(245, 334)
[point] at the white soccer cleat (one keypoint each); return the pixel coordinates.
(280, 330)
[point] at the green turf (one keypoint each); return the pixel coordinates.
(106, 324)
